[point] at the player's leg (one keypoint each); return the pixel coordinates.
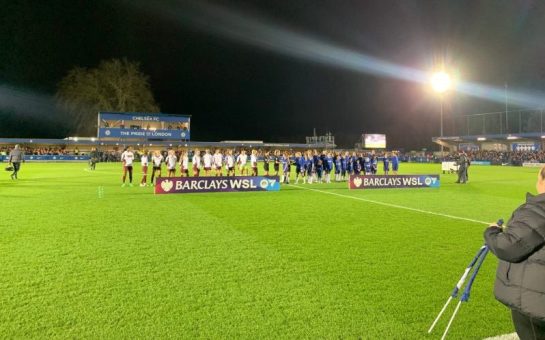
(130, 174)
(144, 176)
(124, 174)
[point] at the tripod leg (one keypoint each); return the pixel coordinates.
(451, 320)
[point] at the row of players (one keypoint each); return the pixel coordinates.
(310, 166)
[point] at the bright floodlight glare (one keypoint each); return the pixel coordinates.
(440, 82)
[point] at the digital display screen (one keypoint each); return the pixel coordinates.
(375, 141)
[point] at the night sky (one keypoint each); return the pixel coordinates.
(238, 91)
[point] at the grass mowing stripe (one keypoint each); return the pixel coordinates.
(394, 205)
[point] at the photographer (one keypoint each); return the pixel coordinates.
(520, 278)
(15, 158)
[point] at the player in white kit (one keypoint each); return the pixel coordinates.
(171, 163)
(253, 162)
(127, 157)
(184, 164)
(196, 160)
(218, 162)
(144, 164)
(242, 159)
(230, 163)
(156, 160)
(207, 160)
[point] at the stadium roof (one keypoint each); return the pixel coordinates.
(505, 138)
(455, 142)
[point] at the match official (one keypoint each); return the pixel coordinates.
(93, 159)
(462, 168)
(520, 278)
(15, 158)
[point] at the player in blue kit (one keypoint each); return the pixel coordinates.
(328, 166)
(299, 167)
(344, 165)
(386, 163)
(367, 165)
(310, 167)
(286, 168)
(374, 164)
(395, 162)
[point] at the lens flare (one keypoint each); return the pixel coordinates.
(440, 82)
(261, 33)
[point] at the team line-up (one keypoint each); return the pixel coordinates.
(310, 166)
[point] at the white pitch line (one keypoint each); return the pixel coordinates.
(511, 336)
(394, 205)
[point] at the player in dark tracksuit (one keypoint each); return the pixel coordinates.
(349, 164)
(276, 162)
(356, 164)
(266, 160)
(338, 167)
(344, 165)
(386, 162)
(319, 164)
(374, 164)
(363, 163)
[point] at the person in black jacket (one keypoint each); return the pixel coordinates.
(520, 278)
(16, 156)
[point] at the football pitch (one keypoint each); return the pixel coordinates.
(82, 257)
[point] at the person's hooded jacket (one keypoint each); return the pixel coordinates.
(520, 278)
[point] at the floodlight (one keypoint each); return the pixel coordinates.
(440, 82)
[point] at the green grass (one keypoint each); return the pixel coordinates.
(288, 264)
